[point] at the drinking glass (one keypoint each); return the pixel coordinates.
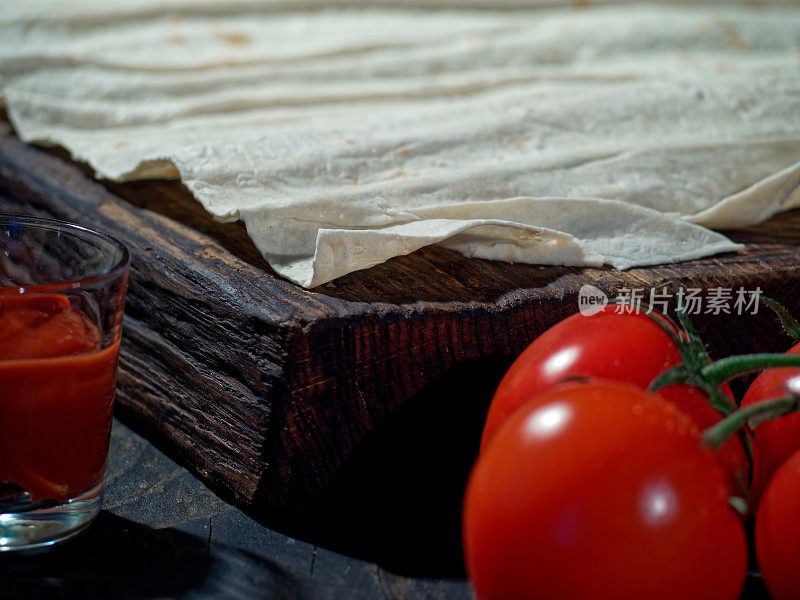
(62, 293)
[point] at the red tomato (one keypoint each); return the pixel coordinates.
(776, 440)
(778, 531)
(626, 347)
(599, 491)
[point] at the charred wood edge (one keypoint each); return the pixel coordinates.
(263, 388)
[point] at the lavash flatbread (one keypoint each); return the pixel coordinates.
(344, 136)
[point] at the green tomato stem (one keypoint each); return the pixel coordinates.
(790, 325)
(677, 374)
(740, 505)
(721, 401)
(725, 369)
(754, 415)
(682, 374)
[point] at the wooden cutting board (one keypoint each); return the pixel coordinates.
(269, 392)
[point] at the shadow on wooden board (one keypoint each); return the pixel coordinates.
(397, 501)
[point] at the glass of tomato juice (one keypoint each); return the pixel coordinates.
(62, 293)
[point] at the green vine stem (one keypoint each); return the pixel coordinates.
(753, 415)
(677, 374)
(725, 369)
(788, 322)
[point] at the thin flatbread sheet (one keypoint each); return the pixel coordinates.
(346, 133)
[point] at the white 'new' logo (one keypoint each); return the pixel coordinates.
(591, 300)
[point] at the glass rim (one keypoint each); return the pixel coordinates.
(119, 268)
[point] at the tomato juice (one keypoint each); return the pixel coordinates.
(56, 393)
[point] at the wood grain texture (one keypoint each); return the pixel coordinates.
(271, 392)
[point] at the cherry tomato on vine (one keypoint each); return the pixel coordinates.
(629, 347)
(778, 531)
(599, 490)
(774, 441)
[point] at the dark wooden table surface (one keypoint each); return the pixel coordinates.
(163, 534)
